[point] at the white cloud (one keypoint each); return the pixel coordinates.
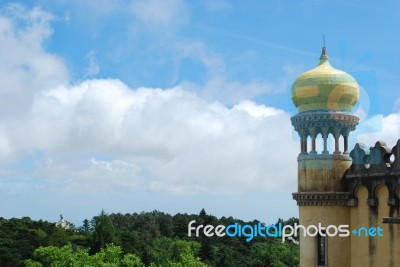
(257, 110)
(101, 136)
(182, 143)
(26, 67)
(380, 128)
(6, 151)
(171, 140)
(90, 176)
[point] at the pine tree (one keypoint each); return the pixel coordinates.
(104, 233)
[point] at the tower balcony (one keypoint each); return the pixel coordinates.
(309, 125)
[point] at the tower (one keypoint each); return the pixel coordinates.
(324, 97)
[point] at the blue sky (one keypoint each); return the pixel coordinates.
(133, 105)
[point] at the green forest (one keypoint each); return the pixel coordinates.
(139, 239)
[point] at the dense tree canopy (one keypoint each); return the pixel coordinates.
(146, 239)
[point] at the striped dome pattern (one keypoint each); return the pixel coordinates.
(325, 88)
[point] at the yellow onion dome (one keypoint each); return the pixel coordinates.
(325, 88)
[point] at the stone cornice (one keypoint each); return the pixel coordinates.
(310, 156)
(321, 199)
(326, 116)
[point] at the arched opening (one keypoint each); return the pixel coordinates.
(331, 143)
(308, 143)
(343, 146)
(391, 158)
(319, 143)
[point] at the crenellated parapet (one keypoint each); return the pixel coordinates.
(372, 167)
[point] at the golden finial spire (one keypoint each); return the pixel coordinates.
(323, 54)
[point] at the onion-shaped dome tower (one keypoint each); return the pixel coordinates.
(324, 88)
(324, 97)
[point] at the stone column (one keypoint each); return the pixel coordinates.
(325, 135)
(336, 135)
(345, 143)
(313, 134)
(303, 142)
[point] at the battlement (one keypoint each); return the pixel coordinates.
(373, 167)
